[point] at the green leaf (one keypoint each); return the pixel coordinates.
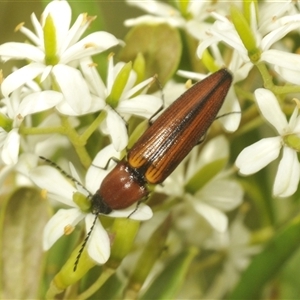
(150, 255)
(269, 262)
(204, 175)
(23, 221)
(167, 284)
(289, 283)
(160, 45)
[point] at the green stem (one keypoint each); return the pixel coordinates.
(268, 82)
(77, 142)
(41, 130)
(106, 274)
(93, 127)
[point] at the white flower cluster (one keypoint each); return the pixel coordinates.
(60, 75)
(61, 80)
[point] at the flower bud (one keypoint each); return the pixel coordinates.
(50, 42)
(244, 31)
(119, 85)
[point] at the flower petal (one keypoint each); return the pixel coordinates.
(37, 37)
(293, 121)
(258, 155)
(54, 182)
(217, 219)
(64, 108)
(230, 112)
(20, 77)
(216, 149)
(142, 105)
(10, 150)
(94, 43)
(39, 101)
(21, 51)
(98, 245)
(75, 32)
(291, 76)
(163, 12)
(92, 77)
(223, 31)
(60, 12)
(147, 19)
(223, 194)
(270, 109)
(282, 59)
(26, 162)
(142, 213)
(54, 229)
(155, 7)
(115, 126)
(96, 172)
(139, 212)
(132, 89)
(288, 174)
(73, 87)
(277, 34)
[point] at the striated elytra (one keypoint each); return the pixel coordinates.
(163, 145)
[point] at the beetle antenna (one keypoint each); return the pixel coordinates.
(84, 244)
(50, 162)
(227, 114)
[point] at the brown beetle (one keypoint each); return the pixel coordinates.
(163, 145)
(161, 148)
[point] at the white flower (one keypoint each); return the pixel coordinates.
(273, 14)
(31, 146)
(164, 13)
(216, 195)
(286, 64)
(132, 100)
(56, 53)
(60, 189)
(14, 111)
(235, 242)
(257, 156)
